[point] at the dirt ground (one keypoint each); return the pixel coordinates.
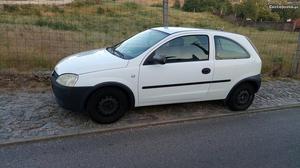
(11, 80)
(35, 2)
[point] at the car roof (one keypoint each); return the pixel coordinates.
(173, 30)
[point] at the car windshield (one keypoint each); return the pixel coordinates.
(137, 44)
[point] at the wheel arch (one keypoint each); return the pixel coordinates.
(117, 85)
(255, 81)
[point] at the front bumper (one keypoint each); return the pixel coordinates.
(71, 98)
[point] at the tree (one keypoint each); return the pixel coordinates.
(223, 7)
(287, 13)
(248, 9)
(177, 4)
(256, 10)
(264, 12)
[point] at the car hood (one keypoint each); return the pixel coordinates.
(90, 61)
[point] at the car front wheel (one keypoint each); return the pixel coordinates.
(241, 97)
(107, 105)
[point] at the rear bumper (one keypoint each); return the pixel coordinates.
(71, 98)
(257, 80)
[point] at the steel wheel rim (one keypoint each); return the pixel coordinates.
(243, 97)
(108, 105)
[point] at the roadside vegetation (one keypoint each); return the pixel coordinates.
(36, 37)
(256, 10)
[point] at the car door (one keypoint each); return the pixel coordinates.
(184, 77)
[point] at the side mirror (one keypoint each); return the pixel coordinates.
(159, 59)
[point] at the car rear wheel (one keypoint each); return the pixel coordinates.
(241, 97)
(107, 105)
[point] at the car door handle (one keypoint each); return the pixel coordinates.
(206, 70)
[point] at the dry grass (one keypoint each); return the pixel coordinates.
(36, 37)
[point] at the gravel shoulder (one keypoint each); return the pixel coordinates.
(29, 113)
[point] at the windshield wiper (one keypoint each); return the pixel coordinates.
(115, 52)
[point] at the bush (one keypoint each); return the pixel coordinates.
(11, 8)
(277, 65)
(100, 10)
(221, 7)
(193, 6)
(22, 9)
(262, 29)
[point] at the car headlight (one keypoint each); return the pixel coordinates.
(68, 80)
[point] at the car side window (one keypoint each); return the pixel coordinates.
(229, 49)
(184, 49)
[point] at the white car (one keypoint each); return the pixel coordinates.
(159, 66)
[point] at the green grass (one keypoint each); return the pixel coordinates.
(56, 25)
(52, 32)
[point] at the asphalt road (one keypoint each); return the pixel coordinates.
(261, 140)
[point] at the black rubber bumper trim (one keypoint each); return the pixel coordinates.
(71, 98)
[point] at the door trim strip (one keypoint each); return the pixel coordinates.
(185, 84)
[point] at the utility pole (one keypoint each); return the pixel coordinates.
(165, 13)
(296, 60)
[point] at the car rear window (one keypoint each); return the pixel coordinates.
(229, 49)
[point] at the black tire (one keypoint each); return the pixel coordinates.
(241, 97)
(107, 105)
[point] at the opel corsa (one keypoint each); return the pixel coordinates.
(159, 66)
